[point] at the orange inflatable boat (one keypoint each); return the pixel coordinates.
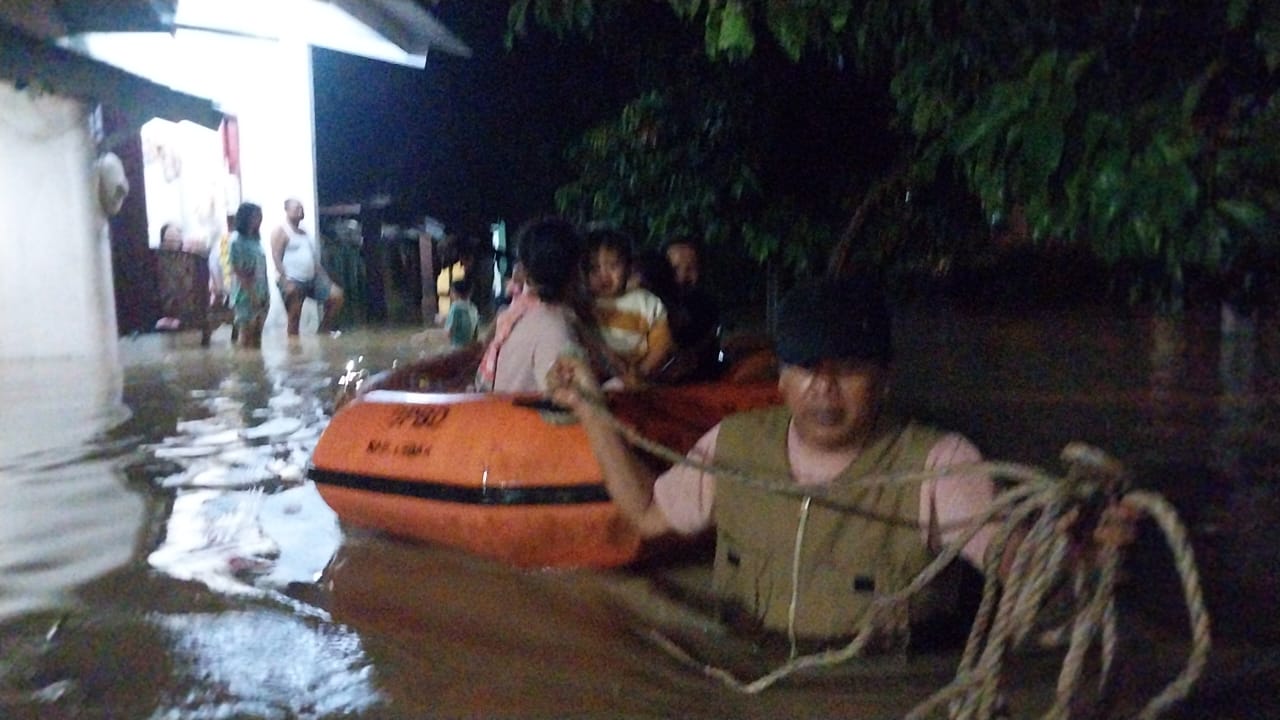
(500, 475)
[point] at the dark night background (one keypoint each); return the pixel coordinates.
(474, 140)
(465, 140)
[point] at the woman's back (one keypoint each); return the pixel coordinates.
(543, 332)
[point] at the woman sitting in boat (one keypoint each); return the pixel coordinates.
(538, 328)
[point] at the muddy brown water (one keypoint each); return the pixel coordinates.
(162, 554)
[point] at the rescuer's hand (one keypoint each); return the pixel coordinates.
(571, 383)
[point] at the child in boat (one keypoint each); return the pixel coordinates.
(463, 318)
(632, 322)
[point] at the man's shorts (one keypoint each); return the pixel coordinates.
(317, 288)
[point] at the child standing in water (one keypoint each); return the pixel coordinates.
(633, 323)
(251, 297)
(463, 319)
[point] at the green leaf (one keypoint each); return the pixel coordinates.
(1191, 97)
(840, 15)
(977, 129)
(1237, 13)
(735, 36)
(1041, 72)
(1079, 64)
(1243, 212)
(1042, 142)
(686, 8)
(790, 29)
(584, 14)
(517, 21)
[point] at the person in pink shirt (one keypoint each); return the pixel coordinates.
(791, 563)
(543, 322)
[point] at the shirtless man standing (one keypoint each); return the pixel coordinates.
(297, 261)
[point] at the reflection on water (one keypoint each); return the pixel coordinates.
(1189, 403)
(1241, 399)
(248, 542)
(65, 515)
(264, 665)
(242, 520)
(61, 528)
(155, 516)
(117, 525)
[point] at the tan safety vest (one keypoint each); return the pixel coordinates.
(842, 559)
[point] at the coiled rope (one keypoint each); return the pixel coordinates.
(1054, 520)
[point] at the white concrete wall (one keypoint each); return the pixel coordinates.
(56, 295)
(276, 110)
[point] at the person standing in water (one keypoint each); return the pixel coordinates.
(806, 570)
(462, 322)
(301, 276)
(251, 296)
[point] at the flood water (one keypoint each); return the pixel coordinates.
(163, 555)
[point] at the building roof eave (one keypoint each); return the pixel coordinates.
(29, 61)
(406, 24)
(51, 19)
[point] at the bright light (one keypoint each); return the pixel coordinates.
(219, 43)
(316, 23)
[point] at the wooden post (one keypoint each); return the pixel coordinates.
(430, 302)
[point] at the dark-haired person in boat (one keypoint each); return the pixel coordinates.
(632, 320)
(694, 317)
(788, 563)
(526, 345)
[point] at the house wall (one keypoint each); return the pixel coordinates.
(56, 296)
(275, 113)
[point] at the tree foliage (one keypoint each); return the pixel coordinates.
(680, 163)
(1147, 133)
(663, 170)
(725, 153)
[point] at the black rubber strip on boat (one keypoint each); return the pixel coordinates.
(536, 495)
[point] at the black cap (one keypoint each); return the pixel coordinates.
(835, 319)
